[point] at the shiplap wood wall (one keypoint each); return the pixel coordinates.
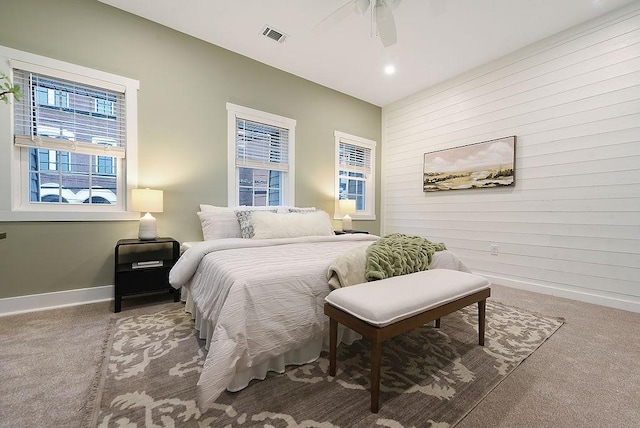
(571, 224)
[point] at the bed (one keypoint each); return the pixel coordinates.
(258, 300)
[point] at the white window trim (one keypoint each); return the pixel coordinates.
(370, 194)
(11, 208)
(235, 111)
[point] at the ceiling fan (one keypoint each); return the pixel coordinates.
(381, 15)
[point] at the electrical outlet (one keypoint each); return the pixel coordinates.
(494, 249)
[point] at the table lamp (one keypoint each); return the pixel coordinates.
(346, 207)
(147, 200)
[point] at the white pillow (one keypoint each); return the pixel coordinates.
(291, 225)
(219, 224)
(222, 222)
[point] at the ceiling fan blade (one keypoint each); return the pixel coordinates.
(336, 16)
(392, 3)
(362, 6)
(385, 24)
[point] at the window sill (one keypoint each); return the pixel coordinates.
(68, 216)
(361, 217)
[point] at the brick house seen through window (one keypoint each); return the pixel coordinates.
(71, 113)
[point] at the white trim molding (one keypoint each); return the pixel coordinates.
(236, 111)
(14, 203)
(58, 299)
(598, 297)
(369, 213)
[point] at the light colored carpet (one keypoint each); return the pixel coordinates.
(584, 375)
(430, 377)
(47, 362)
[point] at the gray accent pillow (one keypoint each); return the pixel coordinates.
(246, 225)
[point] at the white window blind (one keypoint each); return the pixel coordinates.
(354, 158)
(59, 114)
(261, 146)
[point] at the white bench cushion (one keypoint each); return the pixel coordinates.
(390, 300)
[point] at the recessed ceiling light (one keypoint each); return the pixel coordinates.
(389, 69)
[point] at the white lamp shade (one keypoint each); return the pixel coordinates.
(147, 200)
(347, 206)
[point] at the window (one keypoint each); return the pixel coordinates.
(261, 147)
(105, 106)
(53, 112)
(104, 165)
(355, 174)
(74, 154)
(50, 97)
(52, 160)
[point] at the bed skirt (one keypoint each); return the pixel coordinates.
(309, 352)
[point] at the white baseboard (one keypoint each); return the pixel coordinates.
(627, 303)
(82, 296)
(58, 299)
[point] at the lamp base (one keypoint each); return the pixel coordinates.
(346, 223)
(147, 230)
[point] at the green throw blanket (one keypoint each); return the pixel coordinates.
(399, 254)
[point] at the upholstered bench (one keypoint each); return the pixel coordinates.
(383, 309)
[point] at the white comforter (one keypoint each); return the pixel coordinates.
(263, 297)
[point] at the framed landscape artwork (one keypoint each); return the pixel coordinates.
(475, 166)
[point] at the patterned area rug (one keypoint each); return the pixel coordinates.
(430, 377)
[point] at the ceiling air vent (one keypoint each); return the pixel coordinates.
(273, 34)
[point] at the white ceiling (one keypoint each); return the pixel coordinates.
(437, 39)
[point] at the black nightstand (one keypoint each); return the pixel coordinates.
(143, 267)
(342, 232)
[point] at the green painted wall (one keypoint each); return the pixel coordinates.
(184, 87)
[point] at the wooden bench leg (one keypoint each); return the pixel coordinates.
(437, 322)
(482, 305)
(333, 338)
(376, 356)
